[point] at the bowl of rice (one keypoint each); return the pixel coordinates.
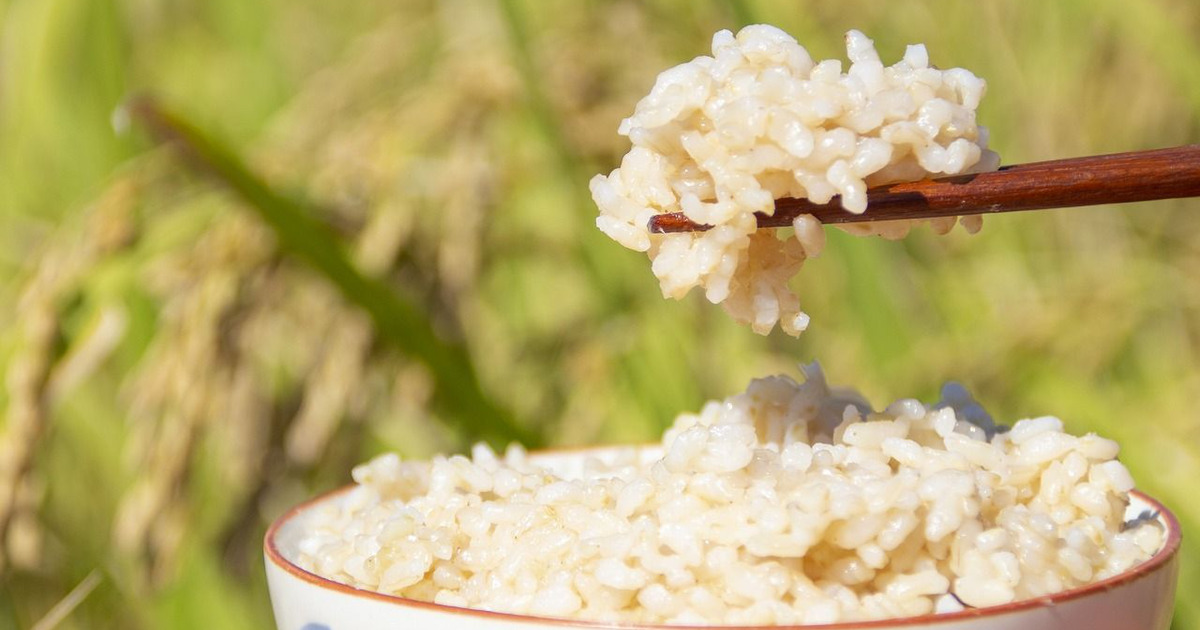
(792, 504)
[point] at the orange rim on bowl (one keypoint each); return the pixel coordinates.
(1164, 555)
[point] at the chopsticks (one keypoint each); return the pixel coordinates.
(1085, 181)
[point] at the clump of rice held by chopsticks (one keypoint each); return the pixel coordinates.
(720, 138)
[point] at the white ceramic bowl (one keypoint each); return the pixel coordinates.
(1140, 599)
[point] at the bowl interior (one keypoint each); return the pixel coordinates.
(283, 539)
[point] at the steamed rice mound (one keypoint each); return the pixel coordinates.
(790, 503)
(720, 138)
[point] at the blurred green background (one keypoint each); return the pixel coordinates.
(176, 374)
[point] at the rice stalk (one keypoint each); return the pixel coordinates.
(27, 414)
(61, 610)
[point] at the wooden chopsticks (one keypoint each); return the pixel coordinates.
(1086, 181)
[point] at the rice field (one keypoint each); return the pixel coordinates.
(180, 366)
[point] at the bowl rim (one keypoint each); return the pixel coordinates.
(1163, 556)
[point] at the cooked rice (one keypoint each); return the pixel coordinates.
(787, 504)
(719, 138)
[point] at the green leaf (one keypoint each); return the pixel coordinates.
(397, 321)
